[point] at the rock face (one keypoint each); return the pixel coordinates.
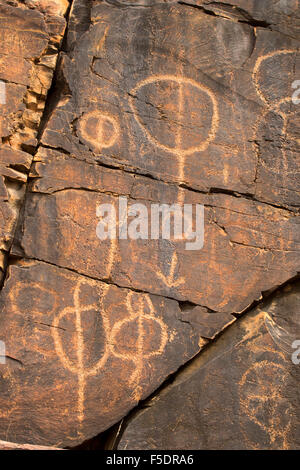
(241, 393)
(30, 36)
(153, 103)
(95, 351)
(242, 237)
(12, 446)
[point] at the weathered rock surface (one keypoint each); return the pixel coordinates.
(30, 35)
(192, 121)
(13, 167)
(241, 393)
(159, 102)
(276, 15)
(171, 110)
(86, 352)
(249, 246)
(12, 446)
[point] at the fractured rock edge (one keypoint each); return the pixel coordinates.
(4, 445)
(261, 314)
(20, 139)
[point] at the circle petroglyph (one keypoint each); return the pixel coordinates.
(271, 79)
(186, 113)
(98, 129)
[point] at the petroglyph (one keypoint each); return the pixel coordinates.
(280, 104)
(258, 69)
(16, 296)
(143, 318)
(79, 368)
(81, 335)
(181, 149)
(113, 249)
(111, 256)
(98, 129)
(265, 394)
(140, 353)
(171, 280)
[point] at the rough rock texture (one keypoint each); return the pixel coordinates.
(12, 446)
(30, 36)
(170, 110)
(243, 238)
(241, 393)
(86, 352)
(161, 102)
(277, 15)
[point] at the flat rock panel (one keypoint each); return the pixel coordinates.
(86, 353)
(30, 35)
(241, 393)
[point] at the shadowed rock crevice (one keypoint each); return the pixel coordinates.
(20, 130)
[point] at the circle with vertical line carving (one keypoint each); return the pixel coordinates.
(98, 129)
(177, 114)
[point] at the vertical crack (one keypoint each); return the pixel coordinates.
(12, 185)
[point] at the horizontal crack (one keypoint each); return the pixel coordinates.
(212, 190)
(50, 326)
(18, 260)
(244, 16)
